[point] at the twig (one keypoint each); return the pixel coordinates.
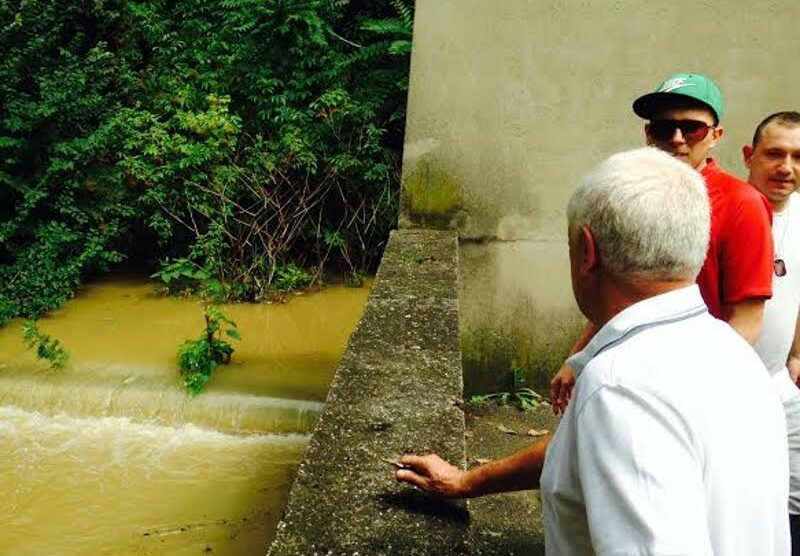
(341, 38)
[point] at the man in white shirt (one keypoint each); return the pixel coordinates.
(773, 160)
(644, 460)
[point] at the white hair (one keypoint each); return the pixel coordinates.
(648, 212)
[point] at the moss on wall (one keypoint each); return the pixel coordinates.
(489, 356)
(430, 195)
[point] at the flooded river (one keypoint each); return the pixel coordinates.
(110, 457)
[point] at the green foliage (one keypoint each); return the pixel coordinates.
(61, 78)
(179, 274)
(47, 348)
(198, 358)
(397, 29)
(523, 397)
(291, 277)
(241, 136)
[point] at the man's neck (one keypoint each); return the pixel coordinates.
(703, 164)
(619, 295)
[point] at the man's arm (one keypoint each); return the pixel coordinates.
(747, 265)
(746, 317)
(519, 471)
(564, 380)
(793, 361)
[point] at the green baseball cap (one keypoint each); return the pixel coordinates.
(688, 85)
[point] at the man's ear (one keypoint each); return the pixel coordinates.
(718, 132)
(647, 134)
(747, 155)
(590, 256)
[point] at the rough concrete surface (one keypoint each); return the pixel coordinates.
(397, 390)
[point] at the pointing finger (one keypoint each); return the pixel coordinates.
(415, 462)
(408, 476)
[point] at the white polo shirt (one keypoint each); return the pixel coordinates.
(674, 442)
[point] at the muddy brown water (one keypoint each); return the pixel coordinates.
(110, 457)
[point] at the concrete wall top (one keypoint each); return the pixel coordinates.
(395, 391)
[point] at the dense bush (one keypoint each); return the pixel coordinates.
(250, 140)
(61, 203)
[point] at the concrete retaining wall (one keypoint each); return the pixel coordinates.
(395, 391)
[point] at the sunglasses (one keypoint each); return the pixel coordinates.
(691, 130)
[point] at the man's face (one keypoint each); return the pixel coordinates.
(688, 134)
(774, 163)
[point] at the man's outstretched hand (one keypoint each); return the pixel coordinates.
(561, 389)
(432, 474)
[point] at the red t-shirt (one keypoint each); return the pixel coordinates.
(740, 255)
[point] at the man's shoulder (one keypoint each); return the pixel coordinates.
(728, 192)
(628, 364)
(656, 359)
(733, 186)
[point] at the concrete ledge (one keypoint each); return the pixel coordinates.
(396, 391)
(508, 524)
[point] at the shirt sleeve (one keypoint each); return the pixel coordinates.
(747, 251)
(641, 479)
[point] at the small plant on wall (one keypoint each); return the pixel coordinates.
(198, 358)
(520, 395)
(47, 348)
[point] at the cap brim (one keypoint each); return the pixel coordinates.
(645, 106)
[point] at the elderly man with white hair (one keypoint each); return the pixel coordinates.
(646, 460)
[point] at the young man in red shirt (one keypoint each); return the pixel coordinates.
(684, 114)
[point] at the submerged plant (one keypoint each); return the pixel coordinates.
(198, 358)
(47, 348)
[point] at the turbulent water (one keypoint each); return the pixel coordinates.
(110, 456)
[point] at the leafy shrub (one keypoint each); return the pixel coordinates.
(242, 136)
(62, 76)
(198, 358)
(180, 274)
(290, 277)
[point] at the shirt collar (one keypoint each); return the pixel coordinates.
(711, 167)
(675, 305)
